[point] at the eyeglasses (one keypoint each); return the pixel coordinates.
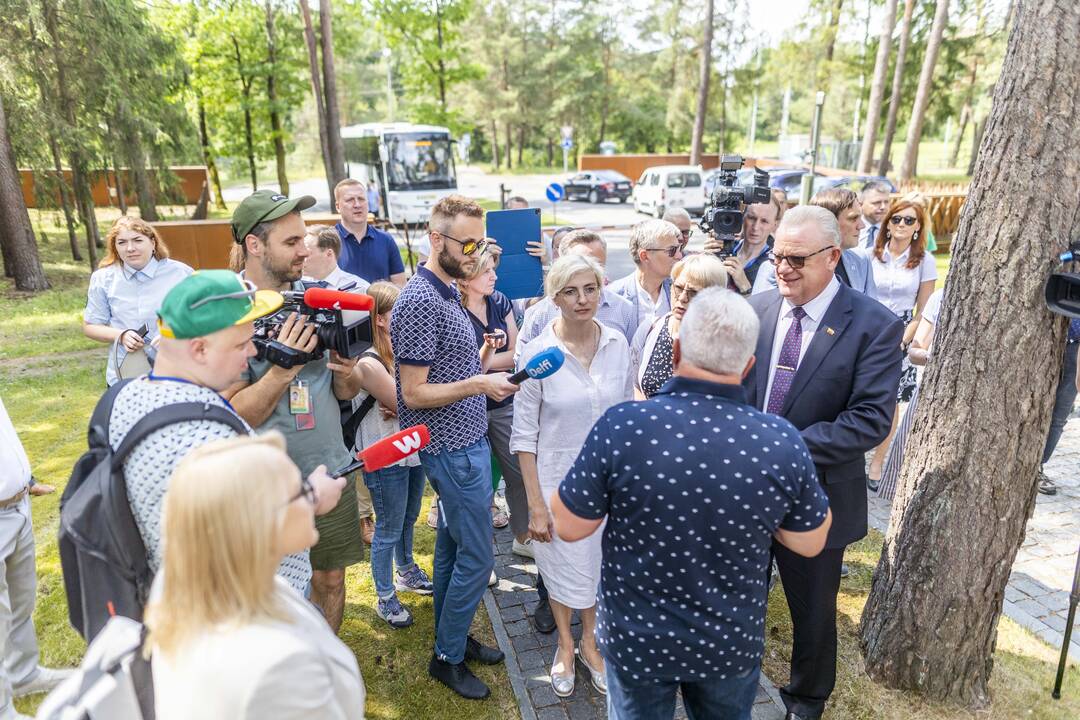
(468, 247)
(906, 219)
(248, 292)
(307, 491)
(686, 233)
(671, 251)
(573, 294)
(678, 291)
(796, 261)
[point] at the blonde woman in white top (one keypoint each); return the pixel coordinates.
(229, 640)
(552, 418)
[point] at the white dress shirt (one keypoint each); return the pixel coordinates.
(897, 284)
(866, 237)
(339, 279)
(14, 465)
(815, 312)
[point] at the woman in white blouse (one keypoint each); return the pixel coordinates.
(905, 275)
(552, 418)
(229, 640)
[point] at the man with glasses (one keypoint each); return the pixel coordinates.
(655, 246)
(828, 361)
(680, 219)
(302, 401)
(441, 384)
(206, 325)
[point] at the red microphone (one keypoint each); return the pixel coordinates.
(326, 299)
(389, 450)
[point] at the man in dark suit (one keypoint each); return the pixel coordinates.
(828, 360)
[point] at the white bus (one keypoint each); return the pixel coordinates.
(413, 164)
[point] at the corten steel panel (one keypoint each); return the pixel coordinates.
(206, 244)
(190, 179)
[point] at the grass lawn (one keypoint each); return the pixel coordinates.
(50, 379)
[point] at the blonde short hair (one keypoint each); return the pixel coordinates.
(566, 267)
(703, 270)
(223, 511)
(348, 182)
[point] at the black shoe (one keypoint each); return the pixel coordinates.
(458, 678)
(1046, 485)
(543, 619)
(844, 570)
(482, 654)
(796, 716)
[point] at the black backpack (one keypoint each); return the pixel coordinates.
(102, 554)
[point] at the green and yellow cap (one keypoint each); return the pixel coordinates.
(210, 300)
(264, 206)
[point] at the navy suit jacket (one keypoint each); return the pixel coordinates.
(842, 398)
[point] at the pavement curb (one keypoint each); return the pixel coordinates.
(517, 681)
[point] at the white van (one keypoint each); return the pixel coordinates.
(669, 186)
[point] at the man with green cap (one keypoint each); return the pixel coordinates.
(206, 325)
(301, 402)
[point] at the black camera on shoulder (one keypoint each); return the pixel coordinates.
(347, 332)
(724, 216)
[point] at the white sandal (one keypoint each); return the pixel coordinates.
(562, 685)
(599, 678)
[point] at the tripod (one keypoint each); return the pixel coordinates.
(1074, 599)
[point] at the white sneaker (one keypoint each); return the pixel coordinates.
(493, 580)
(524, 549)
(45, 680)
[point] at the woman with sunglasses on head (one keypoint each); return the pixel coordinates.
(127, 289)
(651, 349)
(552, 418)
(905, 275)
(227, 638)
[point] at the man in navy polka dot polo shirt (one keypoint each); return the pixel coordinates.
(695, 485)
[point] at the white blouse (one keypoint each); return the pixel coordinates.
(897, 284)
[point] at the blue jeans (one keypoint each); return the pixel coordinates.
(1063, 402)
(396, 494)
(713, 699)
(464, 557)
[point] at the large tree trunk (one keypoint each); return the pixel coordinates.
(897, 87)
(333, 115)
(277, 131)
(968, 483)
(877, 88)
(65, 200)
(704, 75)
(922, 95)
(317, 91)
(208, 158)
(20, 250)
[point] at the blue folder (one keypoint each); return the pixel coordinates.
(520, 274)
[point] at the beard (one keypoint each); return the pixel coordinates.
(452, 266)
(280, 272)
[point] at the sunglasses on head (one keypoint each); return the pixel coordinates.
(468, 247)
(897, 219)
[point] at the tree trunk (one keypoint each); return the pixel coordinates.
(969, 94)
(521, 143)
(930, 623)
(84, 202)
(121, 188)
(976, 141)
(965, 116)
(249, 134)
(20, 251)
(277, 131)
(550, 152)
(897, 87)
(136, 158)
(334, 142)
(317, 91)
(65, 200)
(877, 88)
(922, 95)
(704, 74)
(830, 43)
(208, 158)
(509, 145)
(441, 72)
(495, 145)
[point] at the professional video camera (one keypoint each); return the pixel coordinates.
(724, 217)
(342, 324)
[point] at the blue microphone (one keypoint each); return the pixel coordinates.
(544, 363)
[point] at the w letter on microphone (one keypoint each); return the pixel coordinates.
(408, 443)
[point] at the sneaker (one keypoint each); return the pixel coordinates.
(414, 580)
(45, 680)
(524, 549)
(392, 611)
(1046, 485)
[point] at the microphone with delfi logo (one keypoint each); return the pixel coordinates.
(391, 449)
(544, 363)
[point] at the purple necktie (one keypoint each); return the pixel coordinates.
(787, 363)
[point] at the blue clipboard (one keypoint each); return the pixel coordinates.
(520, 274)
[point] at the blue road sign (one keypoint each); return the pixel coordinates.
(567, 143)
(555, 192)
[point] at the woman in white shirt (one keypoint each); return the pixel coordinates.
(228, 639)
(126, 291)
(552, 418)
(905, 275)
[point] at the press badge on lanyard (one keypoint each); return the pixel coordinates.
(300, 405)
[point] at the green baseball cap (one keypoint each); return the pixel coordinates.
(264, 206)
(210, 300)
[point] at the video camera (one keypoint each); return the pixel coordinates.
(724, 217)
(342, 324)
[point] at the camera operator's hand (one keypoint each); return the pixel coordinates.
(496, 386)
(712, 244)
(342, 365)
(299, 335)
(131, 340)
(738, 275)
(327, 489)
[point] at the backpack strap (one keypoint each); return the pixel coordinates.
(99, 421)
(170, 415)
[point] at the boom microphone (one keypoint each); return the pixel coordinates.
(389, 450)
(544, 363)
(326, 299)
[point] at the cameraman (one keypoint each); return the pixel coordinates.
(752, 251)
(301, 402)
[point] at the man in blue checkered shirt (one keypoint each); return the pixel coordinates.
(442, 385)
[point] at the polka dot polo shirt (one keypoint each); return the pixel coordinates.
(694, 483)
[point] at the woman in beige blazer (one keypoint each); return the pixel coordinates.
(228, 639)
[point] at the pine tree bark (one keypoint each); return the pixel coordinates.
(897, 87)
(16, 233)
(922, 94)
(65, 200)
(208, 158)
(968, 484)
(277, 130)
(704, 75)
(333, 115)
(877, 88)
(140, 177)
(317, 91)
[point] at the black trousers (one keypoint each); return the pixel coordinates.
(810, 585)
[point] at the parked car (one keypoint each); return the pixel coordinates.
(787, 179)
(851, 182)
(669, 186)
(598, 186)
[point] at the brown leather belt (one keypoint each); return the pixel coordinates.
(13, 500)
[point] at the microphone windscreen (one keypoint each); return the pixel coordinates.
(394, 448)
(544, 363)
(327, 299)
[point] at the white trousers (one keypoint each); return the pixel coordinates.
(18, 585)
